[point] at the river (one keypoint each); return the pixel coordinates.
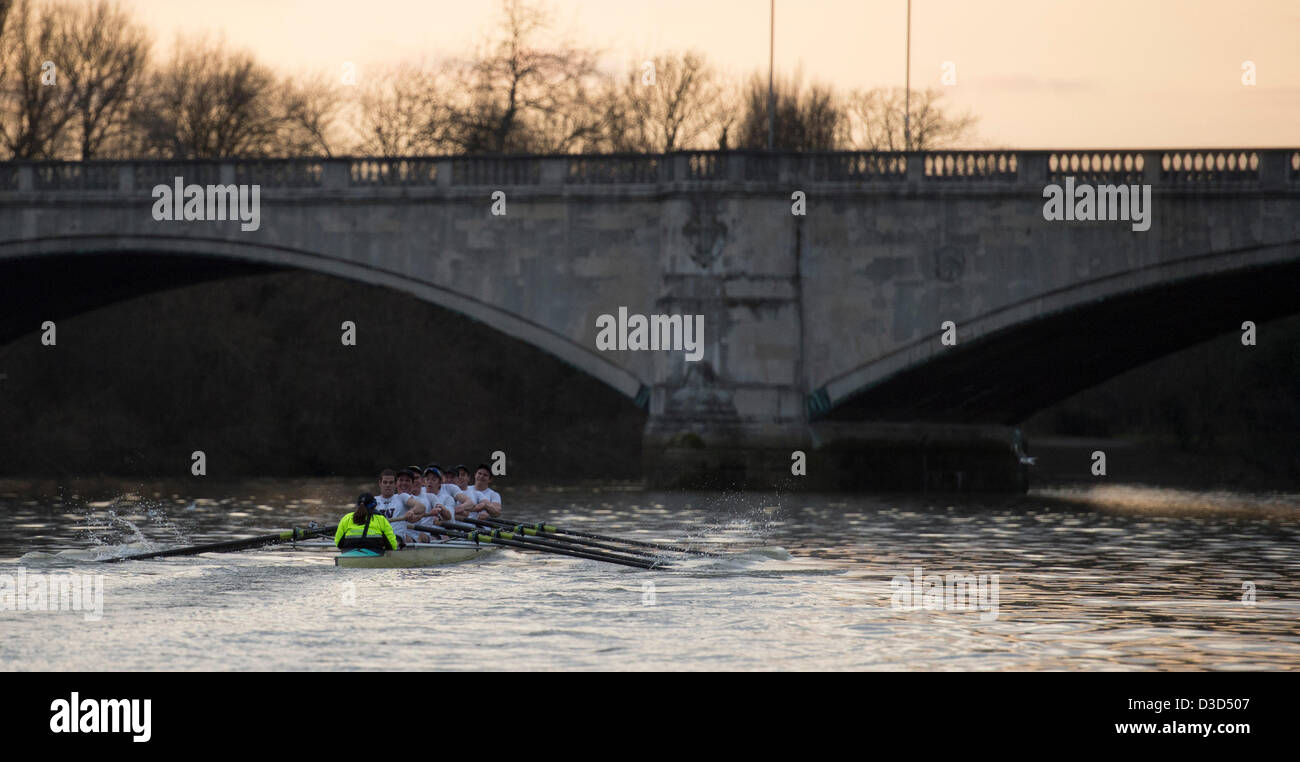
(1070, 578)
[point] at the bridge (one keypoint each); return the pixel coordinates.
(823, 331)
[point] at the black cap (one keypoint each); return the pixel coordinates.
(463, 467)
(367, 499)
(414, 469)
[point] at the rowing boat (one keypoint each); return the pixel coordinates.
(414, 555)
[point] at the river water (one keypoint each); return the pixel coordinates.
(1101, 578)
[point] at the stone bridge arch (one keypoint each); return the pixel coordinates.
(1017, 359)
(234, 257)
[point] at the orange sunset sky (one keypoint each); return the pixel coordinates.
(1036, 73)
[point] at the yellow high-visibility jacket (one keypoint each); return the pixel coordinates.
(378, 526)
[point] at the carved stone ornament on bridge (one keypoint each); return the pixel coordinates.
(699, 398)
(949, 264)
(705, 230)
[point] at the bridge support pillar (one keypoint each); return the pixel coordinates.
(840, 456)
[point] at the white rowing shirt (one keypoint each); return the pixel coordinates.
(446, 501)
(390, 507)
(477, 496)
(431, 501)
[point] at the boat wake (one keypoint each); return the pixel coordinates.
(763, 560)
(83, 555)
(112, 535)
(774, 552)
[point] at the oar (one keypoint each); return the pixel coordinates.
(553, 546)
(521, 529)
(639, 543)
(287, 535)
(509, 539)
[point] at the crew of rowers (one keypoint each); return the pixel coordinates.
(412, 506)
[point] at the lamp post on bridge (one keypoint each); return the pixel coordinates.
(771, 54)
(907, 87)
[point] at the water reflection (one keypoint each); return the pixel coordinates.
(1111, 578)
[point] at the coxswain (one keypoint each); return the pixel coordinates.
(365, 529)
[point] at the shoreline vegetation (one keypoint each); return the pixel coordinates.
(519, 88)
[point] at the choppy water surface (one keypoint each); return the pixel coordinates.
(1087, 579)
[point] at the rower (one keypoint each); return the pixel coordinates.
(393, 500)
(417, 487)
(365, 528)
(399, 505)
(438, 506)
(462, 477)
(484, 502)
(444, 501)
(433, 502)
(453, 493)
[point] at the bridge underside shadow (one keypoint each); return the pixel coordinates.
(163, 354)
(1007, 376)
(36, 289)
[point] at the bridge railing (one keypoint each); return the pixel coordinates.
(1180, 169)
(615, 169)
(971, 166)
(1097, 167)
(148, 174)
(391, 172)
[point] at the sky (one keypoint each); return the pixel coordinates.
(1035, 73)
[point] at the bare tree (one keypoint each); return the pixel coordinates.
(74, 82)
(5, 5)
(404, 111)
(35, 105)
(875, 121)
(567, 117)
(517, 96)
(309, 108)
(108, 55)
(806, 119)
(208, 102)
(664, 104)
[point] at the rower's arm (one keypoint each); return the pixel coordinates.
(416, 507)
(463, 505)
